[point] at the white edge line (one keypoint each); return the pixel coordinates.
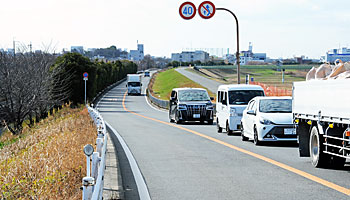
(150, 105)
(140, 182)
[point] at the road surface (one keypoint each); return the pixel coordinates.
(205, 82)
(193, 161)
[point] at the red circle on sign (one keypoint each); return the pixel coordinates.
(193, 7)
(85, 74)
(210, 14)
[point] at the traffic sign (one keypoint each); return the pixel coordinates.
(85, 74)
(187, 10)
(206, 9)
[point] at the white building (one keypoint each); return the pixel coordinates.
(342, 54)
(190, 56)
(247, 56)
(77, 49)
(137, 55)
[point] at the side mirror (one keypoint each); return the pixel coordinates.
(126, 85)
(251, 112)
(141, 84)
(172, 99)
(212, 98)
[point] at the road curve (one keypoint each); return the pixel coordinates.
(205, 82)
(193, 161)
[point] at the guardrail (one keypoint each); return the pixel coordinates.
(94, 180)
(158, 102)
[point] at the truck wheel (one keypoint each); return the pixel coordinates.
(229, 132)
(318, 158)
(218, 126)
(244, 138)
(256, 138)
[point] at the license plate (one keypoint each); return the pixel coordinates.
(289, 131)
(196, 116)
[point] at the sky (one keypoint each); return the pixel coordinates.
(280, 28)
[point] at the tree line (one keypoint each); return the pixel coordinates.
(33, 84)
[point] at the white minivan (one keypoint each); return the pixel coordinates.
(231, 100)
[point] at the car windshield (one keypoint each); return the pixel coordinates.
(134, 84)
(193, 95)
(242, 97)
(275, 106)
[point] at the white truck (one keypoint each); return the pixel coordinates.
(321, 110)
(134, 84)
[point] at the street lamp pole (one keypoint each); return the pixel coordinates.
(237, 53)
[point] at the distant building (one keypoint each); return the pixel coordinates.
(190, 56)
(77, 49)
(342, 54)
(247, 57)
(111, 53)
(137, 55)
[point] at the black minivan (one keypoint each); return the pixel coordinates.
(190, 104)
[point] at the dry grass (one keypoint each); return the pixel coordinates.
(47, 161)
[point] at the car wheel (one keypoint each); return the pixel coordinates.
(218, 126)
(256, 139)
(171, 119)
(177, 120)
(318, 158)
(229, 132)
(210, 122)
(244, 138)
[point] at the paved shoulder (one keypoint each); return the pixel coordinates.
(205, 82)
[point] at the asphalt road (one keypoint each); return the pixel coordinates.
(208, 83)
(193, 161)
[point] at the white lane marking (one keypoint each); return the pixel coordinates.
(140, 181)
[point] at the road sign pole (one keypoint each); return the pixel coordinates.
(237, 53)
(85, 92)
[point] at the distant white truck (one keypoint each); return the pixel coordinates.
(321, 110)
(134, 84)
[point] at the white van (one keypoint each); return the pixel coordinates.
(134, 84)
(231, 100)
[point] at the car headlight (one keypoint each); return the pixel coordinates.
(210, 107)
(182, 107)
(233, 112)
(265, 121)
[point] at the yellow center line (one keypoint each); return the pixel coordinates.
(273, 162)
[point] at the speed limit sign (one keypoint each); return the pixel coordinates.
(187, 10)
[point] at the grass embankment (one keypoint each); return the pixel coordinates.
(166, 81)
(47, 161)
(263, 75)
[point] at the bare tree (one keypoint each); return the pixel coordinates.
(28, 86)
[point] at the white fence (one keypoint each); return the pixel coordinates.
(94, 180)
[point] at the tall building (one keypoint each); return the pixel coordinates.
(342, 54)
(137, 55)
(190, 56)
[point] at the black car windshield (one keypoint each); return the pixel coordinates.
(134, 84)
(275, 105)
(242, 97)
(193, 95)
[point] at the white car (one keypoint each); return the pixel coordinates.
(231, 100)
(268, 119)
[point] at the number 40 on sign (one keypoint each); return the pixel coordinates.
(187, 10)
